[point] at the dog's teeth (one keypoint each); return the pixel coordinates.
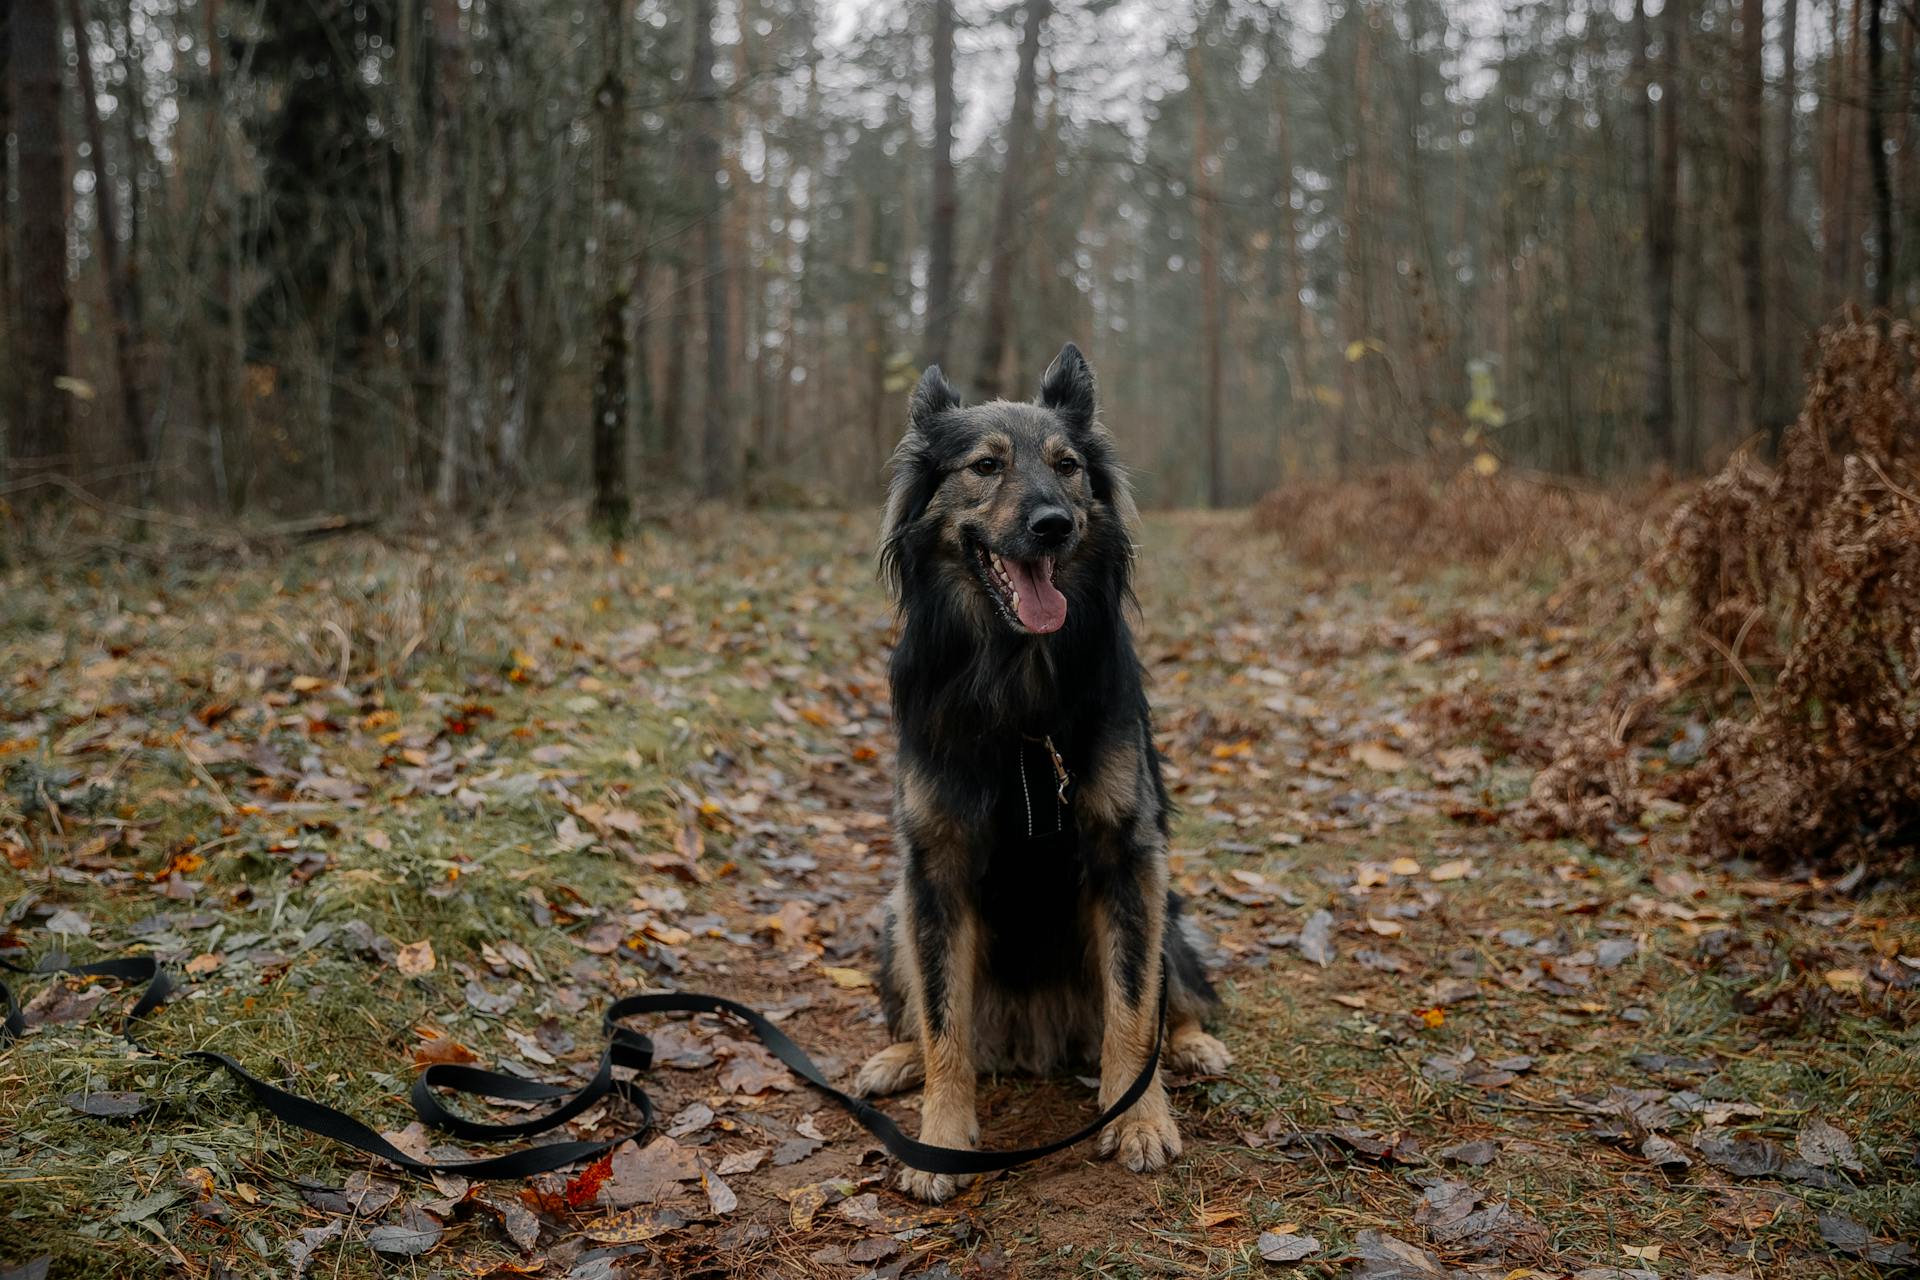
(1016, 601)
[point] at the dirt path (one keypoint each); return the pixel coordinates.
(1460, 1050)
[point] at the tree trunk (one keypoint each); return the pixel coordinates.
(1786, 242)
(1877, 161)
(9, 318)
(1006, 215)
(1206, 216)
(450, 74)
(611, 505)
(1663, 194)
(120, 296)
(1837, 210)
(1299, 380)
(1749, 205)
(717, 435)
(41, 439)
(680, 452)
(945, 199)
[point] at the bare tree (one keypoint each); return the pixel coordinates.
(456, 406)
(1206, 216)
(1287, 223)
(9, 323)
(611, 505)
(945, 199)
(120, 293)
(41, 439)
(1785, 240)
(1662, 195)
(1877, 159)
(1002, 244)
(717, 434)
(1749, 204)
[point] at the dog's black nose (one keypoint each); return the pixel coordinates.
(1050, 525)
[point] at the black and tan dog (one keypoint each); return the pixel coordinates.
(1032, 923)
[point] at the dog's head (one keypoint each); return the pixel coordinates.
(1006, 505)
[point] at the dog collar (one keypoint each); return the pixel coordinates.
(1061, 779)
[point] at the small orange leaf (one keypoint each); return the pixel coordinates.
(584, 1187)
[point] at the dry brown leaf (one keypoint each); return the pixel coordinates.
(415, 959)
(1378, 756)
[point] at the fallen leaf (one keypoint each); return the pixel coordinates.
(850, 978)
(1742, 1157)
(415, 959)
(367, 1195)
(413, 1232)
(804, 1202)
(647, 1175)
(1851, 1237)
(691, 1118)
(873, 1249)
(1378, 756)
(300, 1251)
(720, 1197)
(1382, 1257)
(1286, 1248)
(743, 1161)
(435, 1047)
(1666, 1153)
(584, 1187)
(1458, 869)
(631, 1226)
(108, 1104)
(1821, 1144)
(1476, 1153)
(1316, 938)
(518, 1221)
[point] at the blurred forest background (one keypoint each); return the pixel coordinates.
(365, 256)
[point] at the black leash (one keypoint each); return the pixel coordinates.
(624, 1048)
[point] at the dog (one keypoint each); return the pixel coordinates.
(1032, 924)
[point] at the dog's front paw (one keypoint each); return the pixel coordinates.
(896, 1067)
(1192, 1050)
(1144, 1139)
(934, 1188)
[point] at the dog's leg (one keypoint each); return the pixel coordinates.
(1129, 919)
(898, 1066)
(1125, 849)
(943, 936)
(1190, 1048)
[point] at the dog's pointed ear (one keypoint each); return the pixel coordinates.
(1067, 388)
(931, 398)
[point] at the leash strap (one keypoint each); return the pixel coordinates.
(624, 1048)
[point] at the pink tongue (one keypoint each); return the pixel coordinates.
(1042, 607)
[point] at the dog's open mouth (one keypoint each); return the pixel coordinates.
(1022, 590)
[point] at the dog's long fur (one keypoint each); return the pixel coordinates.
(1004, 950)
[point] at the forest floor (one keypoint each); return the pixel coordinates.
(392, 805)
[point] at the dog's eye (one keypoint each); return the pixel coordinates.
(985, 466)
(1067, 466)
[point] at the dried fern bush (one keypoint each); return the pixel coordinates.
(1422, 516)
(1803, 581)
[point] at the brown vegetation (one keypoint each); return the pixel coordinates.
(1424, 517)
(1801, 583)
